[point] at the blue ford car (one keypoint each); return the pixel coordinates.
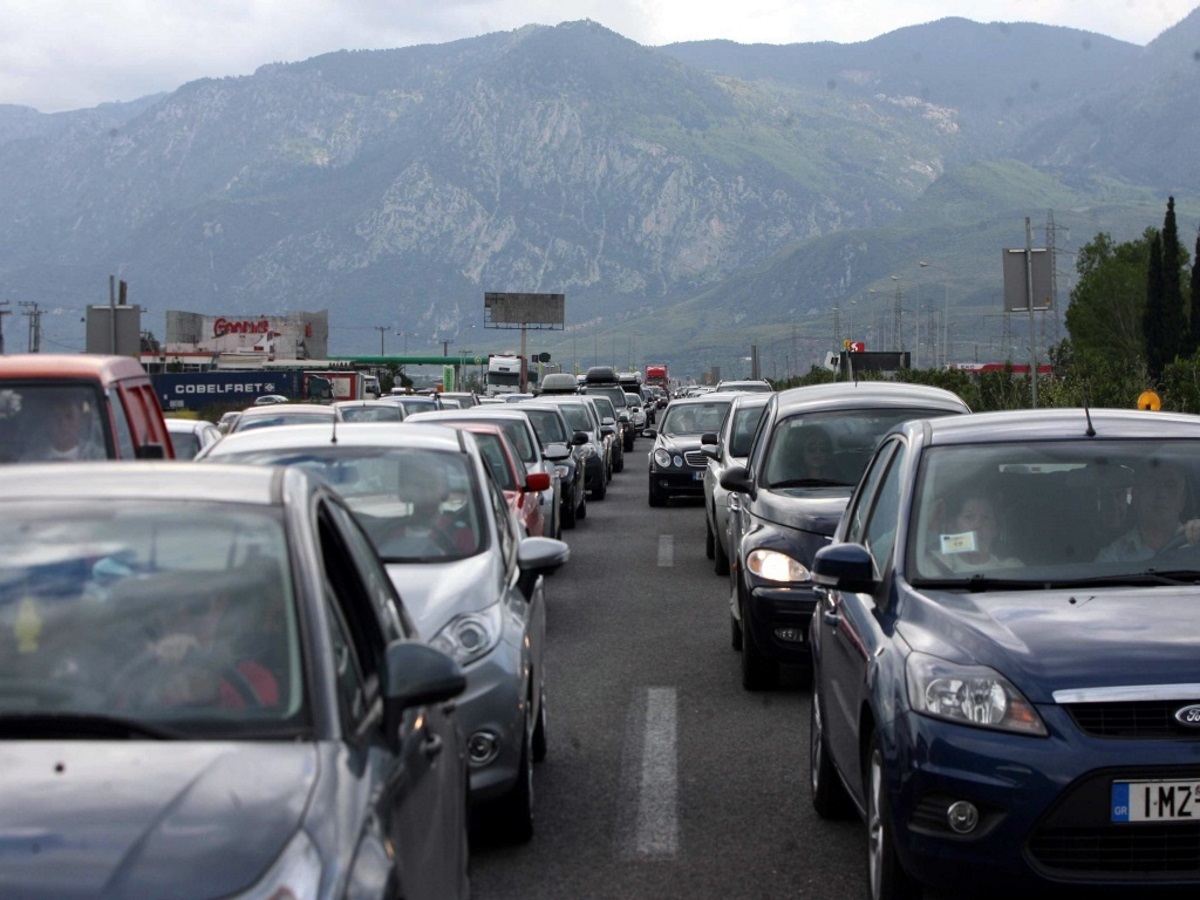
(1007, 654)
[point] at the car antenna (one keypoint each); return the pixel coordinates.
(1091, 431)
(333, 436)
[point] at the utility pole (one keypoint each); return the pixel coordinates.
(3, 313)
(382, 329)
(35, 325)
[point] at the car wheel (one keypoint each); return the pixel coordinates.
(539, 745)
(735, 633)
(581, 513)
(759, 671)
(720, 557)
(568, 512)
(886, 878)
(629, 442)
(619, 463)
(656, 498)
(601, 488)
(829, 797)
(708, 538)
(515, 809)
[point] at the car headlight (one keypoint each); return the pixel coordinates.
(467, 637)
(296, 873)
(662, 458)
(969, 695)
(775, 566)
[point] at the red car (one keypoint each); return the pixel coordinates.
(520, 488)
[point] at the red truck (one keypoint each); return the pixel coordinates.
(658, 375)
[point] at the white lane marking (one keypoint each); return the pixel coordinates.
(666, 550)
(657, 821)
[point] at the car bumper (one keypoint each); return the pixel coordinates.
(779, 618)
(492, 707)
(689, 482)
(1045, 807)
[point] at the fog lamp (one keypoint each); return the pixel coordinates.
(483, 747)
(962, 817)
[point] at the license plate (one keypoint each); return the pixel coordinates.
(697, 476)
(1155, 801)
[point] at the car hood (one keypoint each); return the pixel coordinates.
(679, 443)
(1045, 641)
(147, 819)
(808, 509)
(434, 593)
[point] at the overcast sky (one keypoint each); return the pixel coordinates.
(72, 54)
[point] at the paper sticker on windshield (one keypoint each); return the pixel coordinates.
(963, 542)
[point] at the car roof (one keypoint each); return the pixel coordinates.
(70, 365)
(304, 409)
(180, 424)
(859, 394)
(359, 434)
(1057, 424)
(175, 481)
(706, 398)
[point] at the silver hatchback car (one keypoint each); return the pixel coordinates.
(455, 554)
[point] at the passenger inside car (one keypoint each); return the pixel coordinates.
(973, 536)
(804, 456)
(1158, 498)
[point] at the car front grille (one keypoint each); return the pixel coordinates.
(1137, 719)
(1155, 852)
(695, 459)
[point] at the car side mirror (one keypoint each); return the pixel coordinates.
(150, 451)
(579, 438)
(556, 452)
(845, 567)
(538, 556)
(537, 481)
(650, 432)
(415, 674)
(738, 478)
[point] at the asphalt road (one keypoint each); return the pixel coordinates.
(664, 778)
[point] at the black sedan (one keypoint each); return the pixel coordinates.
(1007, 656)
(677, 464)
(785, 502)
(209, 688)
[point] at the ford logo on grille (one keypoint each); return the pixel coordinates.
(1189, 716)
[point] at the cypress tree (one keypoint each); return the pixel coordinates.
(1193, 341)
(1174, 327)
(1153, 319)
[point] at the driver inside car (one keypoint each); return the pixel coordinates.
(1158, 497)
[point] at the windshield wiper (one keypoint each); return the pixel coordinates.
(980, 583)
(1148, 578)
(79, 726)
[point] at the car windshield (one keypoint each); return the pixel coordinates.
(384, 412)
(829, 448)
(251, 421)
(148, 616)
(186, 444)
(48, 421)
(605, 408)
(1068, 513)
(492, 447)
(695, 418)
(417, 505)
(577, 416)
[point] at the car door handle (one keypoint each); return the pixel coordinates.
(432, 745)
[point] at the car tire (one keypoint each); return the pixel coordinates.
(656, 498)
(581, 513)
(735, 633)
(720, 557)
(515, 809)
(569, 513)
(539, 746)
(600, 489)
(629, 442)
(759, 671)
(886, 878)
(829, 797)
(709, 540)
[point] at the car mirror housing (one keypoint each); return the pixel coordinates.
(557, 452)
(537, 481)
(650, 432)
(737, 478)
(415, 674)
(537, 556)
(846, 567)
(579, 438)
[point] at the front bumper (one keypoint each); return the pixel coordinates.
(678, 481)
(1044, 804)
(779, 618)
(493, 703)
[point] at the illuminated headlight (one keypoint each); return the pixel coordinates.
(468, 637)
(969, 695)
(296, 873)
(662, 458)
(772, 565)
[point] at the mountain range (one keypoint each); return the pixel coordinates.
(696, 203)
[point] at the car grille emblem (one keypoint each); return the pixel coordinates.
(1189, 716)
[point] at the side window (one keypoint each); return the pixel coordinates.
(762, 436)
(351, 686)
(882, 523)
(375, 577)
(504, 525)
(124, 433)
(860, 505)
